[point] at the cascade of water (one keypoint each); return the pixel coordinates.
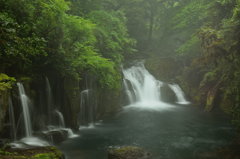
(12, 119)
(60, 118)
(144, 91)
(86, 107)
(128, 92)
(179, 94)
(26, 113)
(145, 88)
(49, 99)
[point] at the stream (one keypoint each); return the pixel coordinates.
(168, 131)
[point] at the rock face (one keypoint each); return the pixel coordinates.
(128, 152)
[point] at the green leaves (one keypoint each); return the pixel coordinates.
(113, 41)
(6, 82)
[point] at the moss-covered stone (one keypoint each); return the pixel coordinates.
(33, 153)
(128, 152)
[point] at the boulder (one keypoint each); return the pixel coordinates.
(54, 136)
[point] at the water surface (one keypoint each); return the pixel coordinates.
(179, 132)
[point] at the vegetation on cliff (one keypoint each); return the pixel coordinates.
(44, 36)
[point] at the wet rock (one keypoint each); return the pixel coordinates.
(49, 152)
(54, 136)
(128, 152)
(168, 95)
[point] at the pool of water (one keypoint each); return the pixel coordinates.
(179, 132)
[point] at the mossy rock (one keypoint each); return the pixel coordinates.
(128, 152)
(33, 153)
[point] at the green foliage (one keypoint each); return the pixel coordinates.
(103, 69)
(45, 156)
(6, 82)
(189, 46)
(191, 14)
(209, 77)
(113, 41)
(54, 35)
(16, 49)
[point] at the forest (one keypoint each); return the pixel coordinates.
(68, 69)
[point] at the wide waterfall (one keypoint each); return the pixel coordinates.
(144, 91)
(25, 107)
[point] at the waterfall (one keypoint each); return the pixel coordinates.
(49, 100)
(145, 89)
(179, 94)
(86, 107)
(12, 119)
(25, 107)
(60, 118)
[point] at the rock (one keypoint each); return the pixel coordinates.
(167, 94)
(55, 136)
(49, 152)
(128, 152)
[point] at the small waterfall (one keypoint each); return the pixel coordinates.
(49, 100)
(26, 113)
(60, 119)
(86, 107)
(179, 94)
(12, 119)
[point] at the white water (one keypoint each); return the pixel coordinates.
(28, 139)
(84, 96)
(25, 107)
(12, 119)
(86, 107)
(179, 94)
(49, 100)
(144, 91)
(60, 118)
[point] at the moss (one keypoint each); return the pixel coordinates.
(34, 153)
(210, 100)
(208, 78)
(45, 156)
